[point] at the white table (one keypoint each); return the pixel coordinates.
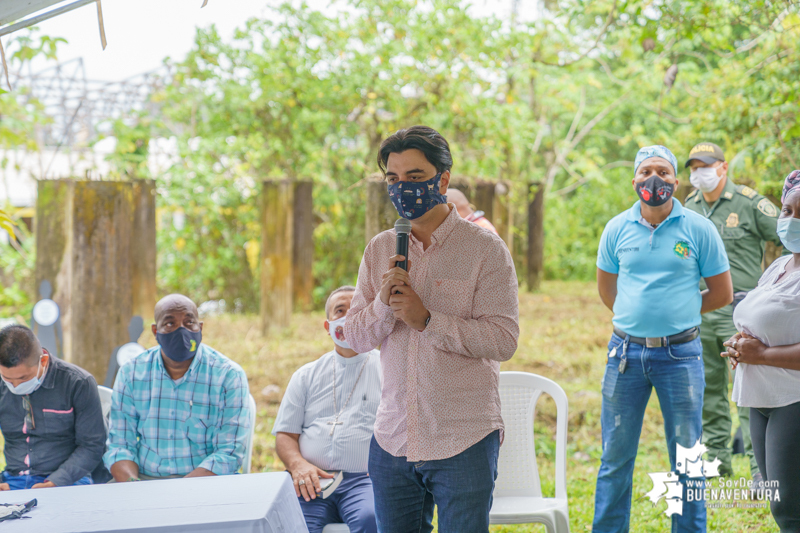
(252, 503)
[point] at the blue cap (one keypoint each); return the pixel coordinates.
(655, 151)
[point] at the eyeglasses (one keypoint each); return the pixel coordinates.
(26, 403)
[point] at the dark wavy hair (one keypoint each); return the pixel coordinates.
(427, 140)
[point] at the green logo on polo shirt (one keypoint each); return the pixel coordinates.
(682, 249)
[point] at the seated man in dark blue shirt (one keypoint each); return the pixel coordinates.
(50, 416)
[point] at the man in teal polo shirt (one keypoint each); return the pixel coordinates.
(649, 264)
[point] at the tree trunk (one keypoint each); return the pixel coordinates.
(502, 214)
(381, 214)
(84, 248)
(277, 218)
(303, 246)
(483, 198)
(143, 249)
(535, 235)
(683, 191)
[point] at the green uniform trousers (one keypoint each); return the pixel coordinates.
(715, 330)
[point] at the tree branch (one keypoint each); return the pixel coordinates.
(608, 71)
(537, 143)
(600, 116)
(698, 56)
(584, 180)
(560, 161)
(602, 33)
(752, 43)
(578, 115)
(767, 61)
(660, 113)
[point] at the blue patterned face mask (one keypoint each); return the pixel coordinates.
(414, 199)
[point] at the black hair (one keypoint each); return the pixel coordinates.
(344, 288)
(427, 140)
(17, 345)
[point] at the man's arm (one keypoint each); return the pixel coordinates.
(719, 292)
(123, 421)
(90, 435)
(607, 287)
(287, 445)
(230, 440)
(369, 320)
(287, 430)
(494, 330)
(714, 268)
(607, 266)
(124, 470)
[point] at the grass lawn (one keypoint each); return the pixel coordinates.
(564, 333)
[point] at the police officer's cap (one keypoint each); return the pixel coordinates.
(708, 153)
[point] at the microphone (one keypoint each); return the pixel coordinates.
(403, 228)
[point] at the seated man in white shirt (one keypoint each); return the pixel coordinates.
(325, 422)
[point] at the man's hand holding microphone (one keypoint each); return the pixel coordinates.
(396, 291)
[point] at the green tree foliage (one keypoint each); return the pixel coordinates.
(19, 118)
(130, 155)
(565, 100)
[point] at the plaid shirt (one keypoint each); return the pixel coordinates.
(172, 427)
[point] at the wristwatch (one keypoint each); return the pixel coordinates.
(427, 320)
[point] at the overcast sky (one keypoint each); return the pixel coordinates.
(141, 33)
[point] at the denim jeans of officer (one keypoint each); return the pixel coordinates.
(676, 372)
(26, 482)
(461, 487)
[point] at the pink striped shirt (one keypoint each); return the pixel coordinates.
(440, 386)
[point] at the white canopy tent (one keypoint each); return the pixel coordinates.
(11, 10)
(13, 15)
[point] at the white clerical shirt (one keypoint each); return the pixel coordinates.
(307, 410)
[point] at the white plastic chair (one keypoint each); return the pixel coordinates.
(336, 528)
(105, 401)
(518, 493)
(248, 451)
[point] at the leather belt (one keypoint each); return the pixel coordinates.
(659, 342)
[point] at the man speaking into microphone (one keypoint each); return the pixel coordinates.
(444, 326)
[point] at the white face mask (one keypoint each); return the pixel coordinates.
(26, 387)
(789, 232)
(705, 179)
(336, 329)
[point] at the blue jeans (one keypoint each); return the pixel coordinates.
(351, 503)
(26, 482)
(461, 486)
(676, 372)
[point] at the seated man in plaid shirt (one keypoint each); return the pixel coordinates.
(180, 409)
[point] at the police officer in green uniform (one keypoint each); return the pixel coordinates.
(745, 221)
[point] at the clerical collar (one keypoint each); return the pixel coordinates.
(350, 360)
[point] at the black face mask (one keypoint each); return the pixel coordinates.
(654, 191)
(181, 344)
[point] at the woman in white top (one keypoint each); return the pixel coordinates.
(767, 352)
